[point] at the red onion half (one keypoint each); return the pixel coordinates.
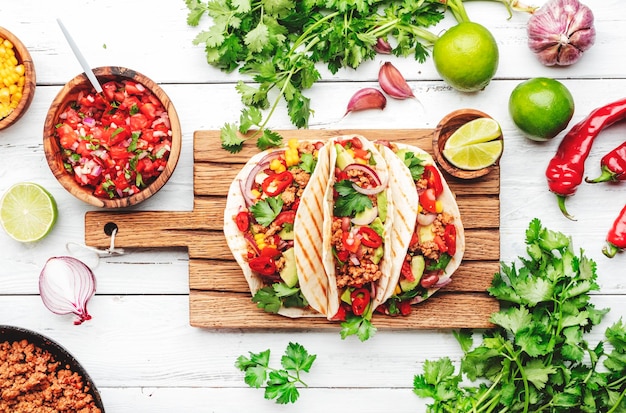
(65, 286)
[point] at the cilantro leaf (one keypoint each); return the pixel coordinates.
(349, 201)
(269, 139)
(266, 299)
(307, 162)
(280, 385)
(266, 210)
(231, 141)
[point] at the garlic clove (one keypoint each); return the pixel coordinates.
(382, 46)
(560, 31)
(367, 98)
(393, 83)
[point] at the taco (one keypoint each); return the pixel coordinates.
(436, 241)
(357, 222)
(271, 194)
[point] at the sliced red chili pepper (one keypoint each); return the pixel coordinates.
(428, 200)
(360, 299)
(285, 217)
(350, 243)
(370, 238)
(263, 265)
(449, 236)
(433, 179)
(277, 183)
(341, 314)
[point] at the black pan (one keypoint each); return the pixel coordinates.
(10, 334)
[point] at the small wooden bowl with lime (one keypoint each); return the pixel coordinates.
(468, 143)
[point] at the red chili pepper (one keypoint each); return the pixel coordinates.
(449, 236)
(613, 166)
(433, 179)
(243, 221)
(360, 299)
(341, 314)
(616, 238)
(277, 183)
(370, 238)
(264, 265)
(566, 169)
(428, 200)
(349, 242)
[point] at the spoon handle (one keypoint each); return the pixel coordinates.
(81, 59)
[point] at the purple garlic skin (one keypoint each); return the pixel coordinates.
(560, 31)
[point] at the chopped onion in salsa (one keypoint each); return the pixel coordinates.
(116, 146)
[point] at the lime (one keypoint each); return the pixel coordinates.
(475, 156)
(475, 131)
(541, 107)
(27, 212)
(466, 56)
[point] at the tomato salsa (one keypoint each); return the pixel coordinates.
(116, 145)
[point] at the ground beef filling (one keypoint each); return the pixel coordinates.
(349, 274)
(32, 381)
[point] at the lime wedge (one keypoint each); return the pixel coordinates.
(475, 156)
(475, 131)
(27, 212)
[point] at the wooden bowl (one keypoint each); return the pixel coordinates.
(446, 127)
(53, 149)
(30, 80)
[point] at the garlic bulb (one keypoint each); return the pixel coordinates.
(560, 31)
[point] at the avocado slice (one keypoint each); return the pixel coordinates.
(378, 255)
(286, 235)
(417, 269)
(381, 200)
(343, 157)
(288, 273)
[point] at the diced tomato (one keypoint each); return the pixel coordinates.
(67, 136)
(148, 109)
(119, 152)
(138, 122)
(271, 251)
(449, 236)
(349, 242)
(285, 217)
(404, 307)
(441, 244)
(131, 88)
(361, 153)
(406, 272)
(360, 300)
(109, 89)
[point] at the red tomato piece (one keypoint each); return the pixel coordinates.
(428, 200)
(449, 236)
(433, 179)
(350, 243)
(360, 299)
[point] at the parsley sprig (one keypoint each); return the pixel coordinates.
(536, 359)
(279, 384)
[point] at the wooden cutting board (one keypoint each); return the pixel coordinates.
(219, 296)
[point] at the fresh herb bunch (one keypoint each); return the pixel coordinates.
(278, 42)
(280, 384)
(536, 359)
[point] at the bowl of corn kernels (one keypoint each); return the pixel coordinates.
(17, 79)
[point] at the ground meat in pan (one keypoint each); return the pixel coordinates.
(32, 381)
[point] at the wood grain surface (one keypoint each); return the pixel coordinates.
(219, 297)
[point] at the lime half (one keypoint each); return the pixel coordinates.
(475, 131)
(475, 156)
(27, 212)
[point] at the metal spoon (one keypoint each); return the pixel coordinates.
(81, 59)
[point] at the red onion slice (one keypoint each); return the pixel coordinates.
(371, 173)
(426, 219)
(264, 163)
(65, 286)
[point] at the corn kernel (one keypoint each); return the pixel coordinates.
(277, 166)
(398, 290)
(291, 157)
(419, 208)
(256, 194)
(293, 143)
(439, 207)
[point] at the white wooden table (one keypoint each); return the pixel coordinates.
(139, 347)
